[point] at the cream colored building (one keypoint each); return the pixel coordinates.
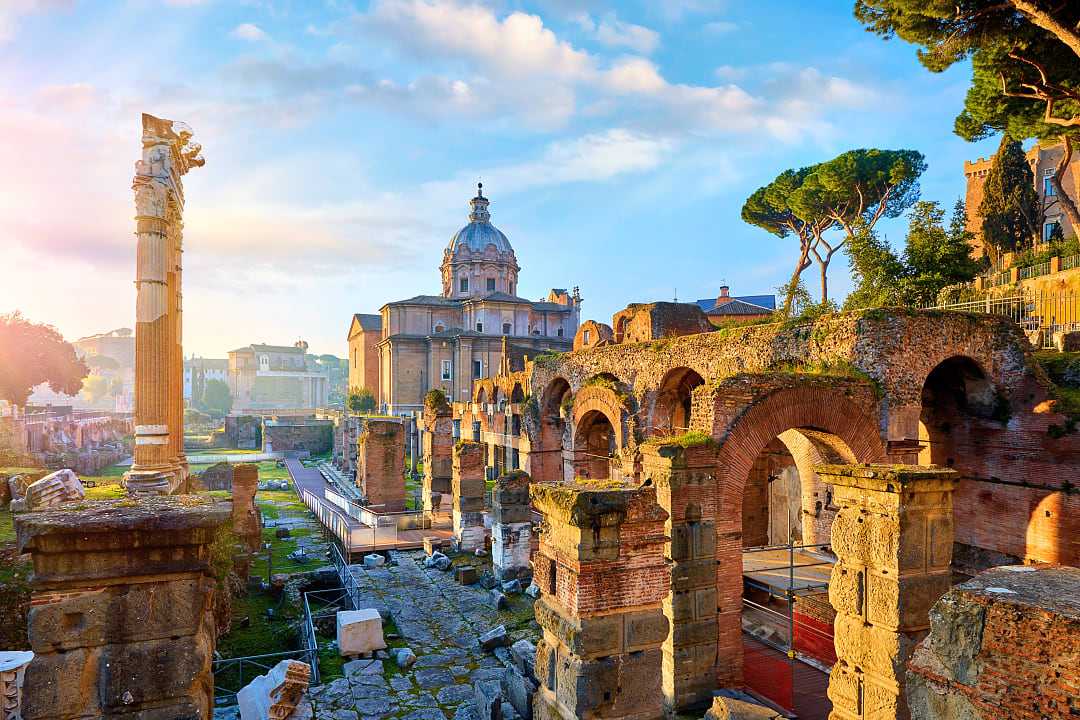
(469, 331)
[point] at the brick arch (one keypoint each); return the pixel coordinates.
(670, 403)
(607, 403)
(546, 458)
(815, 407)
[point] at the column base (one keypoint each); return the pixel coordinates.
(155, 481)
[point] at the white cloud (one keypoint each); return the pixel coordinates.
(613, 32)
(248, 31)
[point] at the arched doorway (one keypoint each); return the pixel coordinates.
(674, 402)
(594, 446)
(955, 392)
(547, 460)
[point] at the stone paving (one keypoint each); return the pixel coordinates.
(440, 621)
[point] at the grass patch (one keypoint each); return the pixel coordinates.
(689, 439)
(110, 491)
(7, 529)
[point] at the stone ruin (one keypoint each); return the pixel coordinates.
(12, 670)
(437, 447)
(467, 489)
(277, 695)
(511, 528)
(54, 489)
(380, 464)
(247, 520)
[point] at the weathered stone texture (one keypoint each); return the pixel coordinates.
(685, 481)
(467, 488)
(1003, 645)
(511, 527)
(122, 608)
(893, 541)
(247, 521)
(380, 470)
(437, 452)
(603, 578)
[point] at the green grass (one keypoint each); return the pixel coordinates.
(7, 527)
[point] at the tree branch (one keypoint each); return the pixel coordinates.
(1046, 20)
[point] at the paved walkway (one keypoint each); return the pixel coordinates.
(440, 621)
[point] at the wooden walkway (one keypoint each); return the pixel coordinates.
(354, 535)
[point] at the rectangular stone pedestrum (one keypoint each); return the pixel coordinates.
(121, 616)
(603, 578)
(893, 538)
(380, 464)
(467, 487)
(511, 527)
(438, 447)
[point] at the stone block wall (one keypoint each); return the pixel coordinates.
(243, 432)
(121, 616)
(893, 538)
(685, 482)
(603, 578)
(1003, 645)
(380, 464)
(247, 522)
(437, 452)
(511, 527)
(467, 488)
(286, 436)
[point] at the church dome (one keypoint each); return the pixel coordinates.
(479, 233)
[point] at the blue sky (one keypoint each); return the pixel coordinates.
(616, 140)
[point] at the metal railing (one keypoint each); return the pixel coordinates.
(1041, 315)
(1068, 263)
(1035, 270)
(232, 674)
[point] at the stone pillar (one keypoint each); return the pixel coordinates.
(380, 464)
(467, 486)
(893, 538)
(685, 482)
(168, 153)
(247, 523)
(603, 578)
(511, 527)
(121, 616)
(438, 452)
(12, 669)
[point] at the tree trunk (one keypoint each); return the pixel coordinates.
(794, 283)
(1067, 203)
(824, 281)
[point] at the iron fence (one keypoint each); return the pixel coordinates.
(1068, 263)
(1042, 315)
(232, 674)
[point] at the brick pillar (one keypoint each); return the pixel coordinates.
(247, 523)
(438, 456)
(380, 464)
(121, 615)
(511, 527)
(893, 540)
(467, 486)
(685, 482)
(603, 578)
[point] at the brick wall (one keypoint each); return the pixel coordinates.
(380, 471)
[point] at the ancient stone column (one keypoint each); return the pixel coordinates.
(247, 523)
(168, 153)
(121, 616)
(380, 464)
(438, 450)
(511, 527)
(603, 578)
(12, 670)
(685, 482)
(893, 538)
(467, 487)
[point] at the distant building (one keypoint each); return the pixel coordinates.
(1043, 162)
(110, 355)
(727, 307)
(268, 377)
(118, 345)
(477, 325)
(197, 371)
(365, 334)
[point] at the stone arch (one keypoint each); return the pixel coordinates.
(606, 402)
(481, 395)
(954, 392)
(594, 445)
(517, 394)
(673, 402)
(547, 461)
(829, 415)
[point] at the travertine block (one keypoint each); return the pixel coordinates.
(275, 695)
(359, 632)
(54, 489)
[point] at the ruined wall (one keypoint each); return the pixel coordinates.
(467, 495)
(380, 460)
(314, 436)
(653, 321)
(511, 527)
(1003, 645)
(437, 451)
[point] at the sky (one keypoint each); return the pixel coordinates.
(617, 142)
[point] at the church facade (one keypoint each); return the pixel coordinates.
(476, 327)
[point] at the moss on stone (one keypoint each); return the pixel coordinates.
(435, 400)
(689, 439)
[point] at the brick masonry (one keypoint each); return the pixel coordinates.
(246, 519)
(380, 464)
(511, 527)
(467, 489)
(437, 451)
(603, 578)
(1003, 645)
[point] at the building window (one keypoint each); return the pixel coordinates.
(447, 370)
(463, 284)
(479, 327)
(440, 328)
(506, 328)
(559, 333)
(477, 369)
(1048, 184)
(491, 284)
(585, 337)
(264, 362)
(1049, 229)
